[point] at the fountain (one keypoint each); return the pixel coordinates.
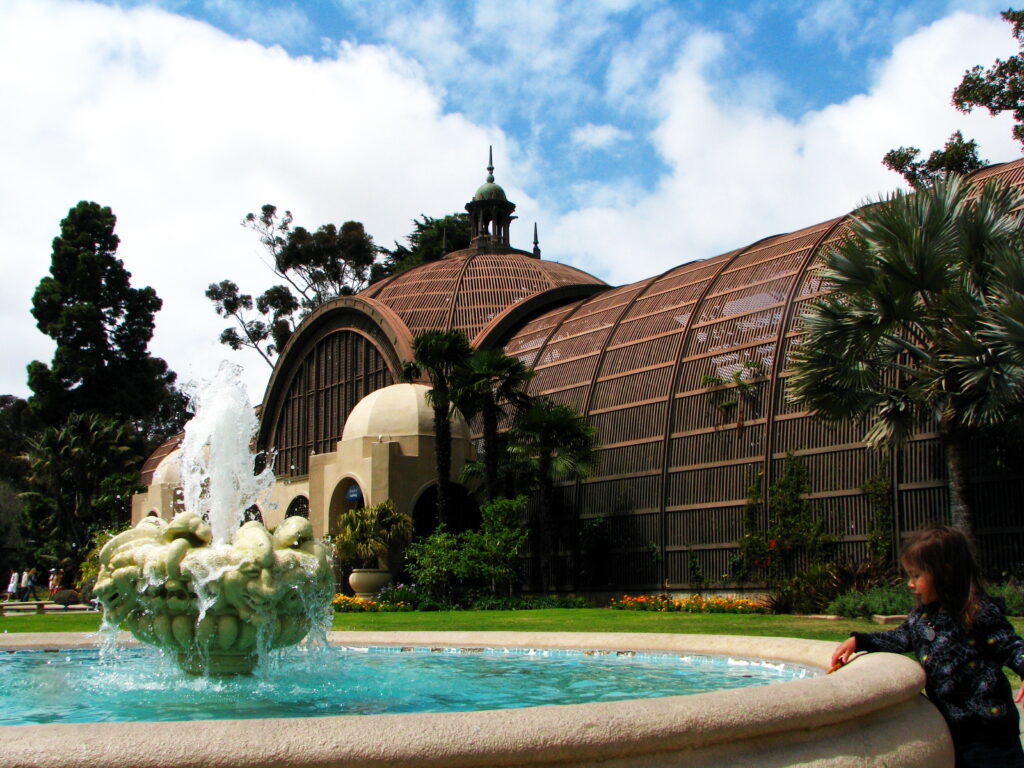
(217, 592)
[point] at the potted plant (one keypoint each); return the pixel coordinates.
(368, 536)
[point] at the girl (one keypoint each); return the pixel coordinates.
(963, 640)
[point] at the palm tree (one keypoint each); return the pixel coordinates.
(368, 535)
(560, 442)
(490, 384)
(924, 323)
(79, 475)
(440, 354)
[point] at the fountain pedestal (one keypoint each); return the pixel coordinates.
(216, 607)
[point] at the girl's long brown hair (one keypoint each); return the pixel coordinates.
(948, 556)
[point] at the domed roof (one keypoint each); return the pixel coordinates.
(168, 471)
(490, 191)
(400, 410)
(467, 289)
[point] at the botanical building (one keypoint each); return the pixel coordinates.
(683, 374)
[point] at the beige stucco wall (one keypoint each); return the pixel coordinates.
(869, 713)
(387, 449)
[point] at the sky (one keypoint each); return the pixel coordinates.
(637, 134)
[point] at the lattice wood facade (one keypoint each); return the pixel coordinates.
(654, 366)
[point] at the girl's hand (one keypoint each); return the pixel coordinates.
(843, 654)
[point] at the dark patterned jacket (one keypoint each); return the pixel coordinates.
(964, 670)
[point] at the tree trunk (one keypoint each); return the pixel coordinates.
(490, 420)
(961, 511)
(443, 451)
(547, 493)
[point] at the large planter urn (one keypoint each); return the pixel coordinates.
(367, 582)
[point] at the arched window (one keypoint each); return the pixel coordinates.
(299, 507)
(342, 369)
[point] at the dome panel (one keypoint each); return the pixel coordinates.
(467, 289)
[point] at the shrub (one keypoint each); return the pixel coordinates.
(488, 602)
(885, 601)
(66, 597)
(1012, 594)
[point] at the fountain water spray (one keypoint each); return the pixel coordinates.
(215, 591)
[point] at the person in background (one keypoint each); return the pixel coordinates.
(28, 584)
(963, 640)
(12, 586)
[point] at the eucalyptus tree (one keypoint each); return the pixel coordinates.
(559, 441)
(924, 323)
(493, 385)
(440, 355)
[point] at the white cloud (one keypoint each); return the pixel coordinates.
(182, 130)
(740, 171)
(593, 136)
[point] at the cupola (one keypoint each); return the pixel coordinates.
(490, 214)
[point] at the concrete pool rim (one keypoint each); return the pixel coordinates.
(869, 713)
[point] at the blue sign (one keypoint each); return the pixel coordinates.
(354, 494)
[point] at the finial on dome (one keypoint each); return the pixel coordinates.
(490, 164)
(536, 241)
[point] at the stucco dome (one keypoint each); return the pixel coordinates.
(168, 471)
(400, 410)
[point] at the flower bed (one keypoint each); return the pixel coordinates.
(344, 604)
(691, 604)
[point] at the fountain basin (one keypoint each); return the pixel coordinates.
(869, 713)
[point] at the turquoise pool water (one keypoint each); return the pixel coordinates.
(84, 686)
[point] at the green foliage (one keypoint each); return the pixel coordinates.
(735, 395)
(793, 529)
(492, 385)
(369, 535)
(754, 553)
(1012, 594)
(925, 317)
(878, 490)
(101, 327)
(10, 533)
(316, 267)
(694, 571)
(447, 565)
(558, 442)
(90, 566)
(80, 477)
(17, 424)
(1000, 88)
(437, 564)
(430, 240)
(492, 553)
(956, 157)
(882, 601)
(440, 355)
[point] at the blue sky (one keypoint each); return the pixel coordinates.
(639, 135)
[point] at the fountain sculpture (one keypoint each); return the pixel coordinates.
(215, 591)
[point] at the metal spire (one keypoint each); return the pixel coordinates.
(490, 164)
(536, 241)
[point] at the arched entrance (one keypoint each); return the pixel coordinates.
(347, 495)
(463, 514)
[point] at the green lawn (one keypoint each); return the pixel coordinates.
(548, 620)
